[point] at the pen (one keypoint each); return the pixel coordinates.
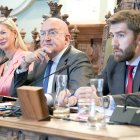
(75, 120)
(68, 119)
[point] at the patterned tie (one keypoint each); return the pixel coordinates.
(47, 73)
(130, 80)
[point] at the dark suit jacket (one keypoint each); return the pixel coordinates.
(79, 72)
(114, 76)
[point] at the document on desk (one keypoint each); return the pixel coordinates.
(5, 106)
(76, 117)
(108, 112)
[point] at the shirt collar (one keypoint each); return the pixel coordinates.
(134, 63)
(57, 57)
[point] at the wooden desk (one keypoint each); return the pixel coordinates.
(56, 129)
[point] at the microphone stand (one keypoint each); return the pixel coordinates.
(126, 99)
(127, 114)
(58, 71)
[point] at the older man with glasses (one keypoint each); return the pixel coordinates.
(55, 53)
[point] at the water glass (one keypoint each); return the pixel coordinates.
(96, 116)
(84, 108)
(60, 109)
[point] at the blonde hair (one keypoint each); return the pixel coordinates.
(12, 26)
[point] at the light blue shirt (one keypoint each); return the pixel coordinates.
(53, 69)
(55, 60)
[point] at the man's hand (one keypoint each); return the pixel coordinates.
(87, 93)
(72, 100)
(38, 55)
(63, 97)
(66, 98)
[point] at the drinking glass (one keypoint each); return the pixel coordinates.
(60, 109)
(97, 114)
(84, 105)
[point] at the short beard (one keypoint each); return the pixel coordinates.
(128, 54)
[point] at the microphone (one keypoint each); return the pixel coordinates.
(7, 99)
(58, 71)
(127, 114)
(129, 97)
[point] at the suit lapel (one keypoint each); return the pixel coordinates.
(136, 81)
(39, 70)
(64, 59)
(121, 76)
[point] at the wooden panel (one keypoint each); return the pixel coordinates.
(88, 31)
(89, 40)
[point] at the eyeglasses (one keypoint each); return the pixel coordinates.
(50, 33)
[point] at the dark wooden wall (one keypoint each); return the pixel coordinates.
(89, 40)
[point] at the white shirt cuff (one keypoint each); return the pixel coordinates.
(49, 99)
(18, 71)
(112, 103)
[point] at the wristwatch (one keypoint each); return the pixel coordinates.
(105, 101)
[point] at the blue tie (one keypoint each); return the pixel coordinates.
(47, 73)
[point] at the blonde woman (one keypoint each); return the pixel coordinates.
(14, 48)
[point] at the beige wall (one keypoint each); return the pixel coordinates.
(30, 16)
(87, 11)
